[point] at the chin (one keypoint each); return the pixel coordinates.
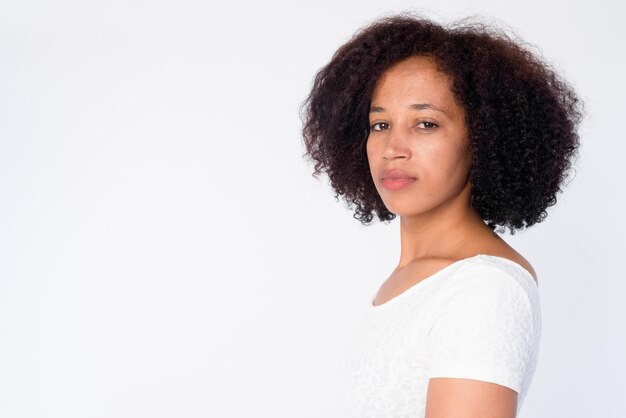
(409, 207)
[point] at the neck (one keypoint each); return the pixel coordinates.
(447, 231)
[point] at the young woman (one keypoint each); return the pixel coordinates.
(456, 129)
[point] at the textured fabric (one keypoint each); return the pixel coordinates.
(477, 318)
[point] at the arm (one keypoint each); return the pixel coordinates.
(467, 398)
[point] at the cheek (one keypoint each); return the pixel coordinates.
(446, 162)
(460, 164)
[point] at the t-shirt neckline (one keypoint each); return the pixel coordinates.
(441, 271)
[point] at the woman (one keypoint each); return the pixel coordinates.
(457, 130)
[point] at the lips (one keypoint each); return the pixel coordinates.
(396, 174)
(395, 180)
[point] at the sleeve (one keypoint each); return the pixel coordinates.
(482, 329)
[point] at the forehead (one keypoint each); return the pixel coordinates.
(414, 80)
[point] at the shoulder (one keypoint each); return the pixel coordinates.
(488, 286)
(515, 258)
(493, 275)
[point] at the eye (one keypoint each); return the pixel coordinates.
(429, 126)
(379, 126)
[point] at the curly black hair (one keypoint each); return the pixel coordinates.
(521, 116)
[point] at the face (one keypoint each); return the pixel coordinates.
(417, 127)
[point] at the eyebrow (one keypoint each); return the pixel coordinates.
(416, 106)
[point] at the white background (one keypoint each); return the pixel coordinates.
(165, 251)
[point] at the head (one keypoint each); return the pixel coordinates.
(417, 129)
(504, 136)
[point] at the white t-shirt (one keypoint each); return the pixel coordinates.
(477, 318)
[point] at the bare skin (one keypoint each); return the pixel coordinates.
(438, 225)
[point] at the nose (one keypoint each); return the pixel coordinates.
(396, 146)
